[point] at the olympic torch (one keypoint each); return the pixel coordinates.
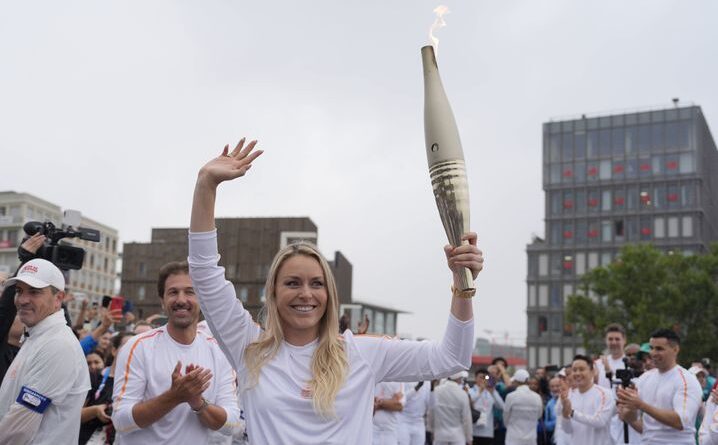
(447, 169)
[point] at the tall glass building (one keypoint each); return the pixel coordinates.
(645, 176)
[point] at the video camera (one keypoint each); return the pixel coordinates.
(64, 256)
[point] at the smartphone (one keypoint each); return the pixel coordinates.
(117, 303)
(492, 381)
(106, 299)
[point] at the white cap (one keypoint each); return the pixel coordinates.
(39, 273)
(520, 376)
(697, 369)
(459, 375)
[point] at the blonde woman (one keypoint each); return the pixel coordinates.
(300, 382)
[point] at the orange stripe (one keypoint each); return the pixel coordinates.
(685, 391)
(127, 366)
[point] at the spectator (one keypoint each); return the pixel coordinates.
(388, 402)
(522, 410)
(141, 327)
(451, 413)
(586, 412)
(43, 391)
(708, 432)
(498, 370)
(484, 398)
(174, 384)
(547, 424)
(606, 366)
(667, 397)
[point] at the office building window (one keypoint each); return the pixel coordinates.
(593, 232)
(555, 296)
(619, 169)
(580, 145)
(567, 233)
(604, 143)
(556, 205)
(554, 148)
(605, 170)
(568, 201)
(644, 197)
(618, 141)
(686, 163)
(567, 173)
(687, 227)
(591, 171)
(555, 174)
(594, 200)
(592, 260)
(580, 201)
(579, 172)
(619, 199)
(141, 293)
(671, 164)
(657, 165)
(580, 234)
(673, 227)
(606, 258)
(646, 228)
(606, 231)
(567, 265)
(567, 292)
(580, 263)
(532, 295)
(543, 265)
(543, 295)
(687, 197)
(618, 230)
(659, 227)
(606, 200)
(555, 323)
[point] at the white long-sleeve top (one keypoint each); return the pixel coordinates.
(484, 401)
(522, 410)
(592, 413)
(677, 390)
(708, 432)
(417, 403)
(279, 408)
(385, 420)
(144, 371)
(451, 416)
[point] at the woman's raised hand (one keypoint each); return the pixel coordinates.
(465, 255)
(230, 165)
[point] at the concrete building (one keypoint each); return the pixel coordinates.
(97, 276)
(247, 247)
(644, 176)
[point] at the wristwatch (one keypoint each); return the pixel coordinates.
(201, 408)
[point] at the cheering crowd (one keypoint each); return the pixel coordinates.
(297, 377)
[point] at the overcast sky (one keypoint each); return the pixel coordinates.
(110, 107)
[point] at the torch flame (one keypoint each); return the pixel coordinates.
(438, 24)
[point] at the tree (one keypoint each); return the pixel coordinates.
(645, 289)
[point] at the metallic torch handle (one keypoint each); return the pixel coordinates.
(447, 169)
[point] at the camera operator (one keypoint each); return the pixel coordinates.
(664, 405)
(44, 388)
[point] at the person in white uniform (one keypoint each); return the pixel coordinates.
(389, 401)
(173, 383)
(708, 432)
(451, 412)
(522, 409)
(45, 386)
(664, 405)
(299, 381)
(584, 414)
(412, 419)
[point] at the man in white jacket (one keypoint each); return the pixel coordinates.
(451, 414)
(522, 410)
(585, 413)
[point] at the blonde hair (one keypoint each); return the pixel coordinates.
(329, 362)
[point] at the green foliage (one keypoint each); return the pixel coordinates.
(645, 289)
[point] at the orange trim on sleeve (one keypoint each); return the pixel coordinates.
(685, 390)
(129, 360)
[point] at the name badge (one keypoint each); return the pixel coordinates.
(33, 400)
